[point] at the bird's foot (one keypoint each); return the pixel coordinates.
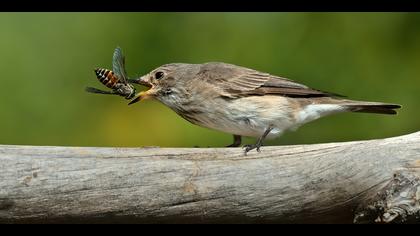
(250, 147)
(259, 142)
(233, 145)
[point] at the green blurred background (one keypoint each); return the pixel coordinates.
(48, 58)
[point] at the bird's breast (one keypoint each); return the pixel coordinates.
(249, 116)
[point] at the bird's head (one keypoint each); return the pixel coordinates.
(165, 82)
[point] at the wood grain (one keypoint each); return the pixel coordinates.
(320, 183)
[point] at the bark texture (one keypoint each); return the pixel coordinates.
(350, 182)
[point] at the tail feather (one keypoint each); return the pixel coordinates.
(380, 108)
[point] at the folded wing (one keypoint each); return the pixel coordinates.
(235, 81)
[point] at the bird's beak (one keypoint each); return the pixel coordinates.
(136, 99)
(140, 96)
(144, 94)
(142, 81)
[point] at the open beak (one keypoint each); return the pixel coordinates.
(144, 94)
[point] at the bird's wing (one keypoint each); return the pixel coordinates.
(235, 81)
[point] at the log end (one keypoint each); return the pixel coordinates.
(397, 202)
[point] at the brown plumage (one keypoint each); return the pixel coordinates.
(239, 81)
(243, 101)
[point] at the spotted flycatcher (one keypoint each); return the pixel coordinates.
(243, 101)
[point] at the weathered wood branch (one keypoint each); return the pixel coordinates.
(364, 181)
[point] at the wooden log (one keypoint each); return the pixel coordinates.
(361, 182)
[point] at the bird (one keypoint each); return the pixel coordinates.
(243, 101)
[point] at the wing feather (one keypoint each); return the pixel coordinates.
(236, 81)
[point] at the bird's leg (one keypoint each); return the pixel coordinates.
(259, 142)
(237, 140)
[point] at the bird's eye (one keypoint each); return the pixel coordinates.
(159, 75)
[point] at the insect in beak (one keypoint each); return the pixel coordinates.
(144, 94)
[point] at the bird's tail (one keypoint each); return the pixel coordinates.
(373, 107)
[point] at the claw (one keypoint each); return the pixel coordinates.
(249, 147)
